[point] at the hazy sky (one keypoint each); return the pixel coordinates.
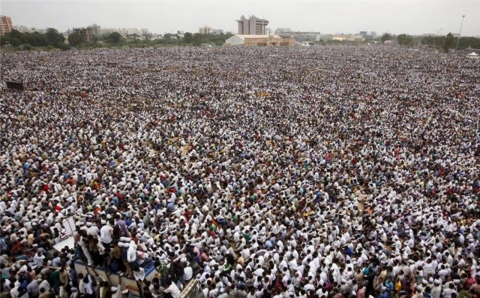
(159, 16)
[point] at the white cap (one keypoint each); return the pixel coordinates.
(188, 273)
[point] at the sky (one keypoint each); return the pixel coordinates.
(327, 17)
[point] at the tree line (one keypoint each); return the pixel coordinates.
(53, 39)
(27, 40)
(446, 42)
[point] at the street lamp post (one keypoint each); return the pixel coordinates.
(460, 32)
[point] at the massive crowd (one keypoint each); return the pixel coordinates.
(260, 172)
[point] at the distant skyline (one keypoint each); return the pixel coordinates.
(327, 17)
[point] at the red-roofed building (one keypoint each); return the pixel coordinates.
(5, 25)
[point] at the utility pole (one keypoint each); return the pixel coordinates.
(460, 32)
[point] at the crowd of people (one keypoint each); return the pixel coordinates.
(332, 171)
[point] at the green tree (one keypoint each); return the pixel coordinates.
(385, 37)
(12, 38)
(64, 47)
(35, 39)
(94, 39)
(168, 38)
(133, 36)
(188, 37)
(147, 36)
(197, 39)
(15, 34)
(7, 40)
(405, 40)
(433, 41)
(449, 43)
(75, 39)
(54, 38)
(114, 38)
(466, 42)
(27, 46)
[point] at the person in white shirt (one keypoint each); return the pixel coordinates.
(44, 285)
(92, 229)
(437, 289)
(38, 259)
(88, 286)
(106, 233)
(81, 285)
(14, 293)
(173, 290)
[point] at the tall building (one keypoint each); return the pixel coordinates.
(283, 31)
(209, 30)
(252, 26)
(217, 31)
(94, 30)
(205, 30)
(84, 33)
(5, 25)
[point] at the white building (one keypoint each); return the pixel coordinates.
(259, 40)
(205, 30)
